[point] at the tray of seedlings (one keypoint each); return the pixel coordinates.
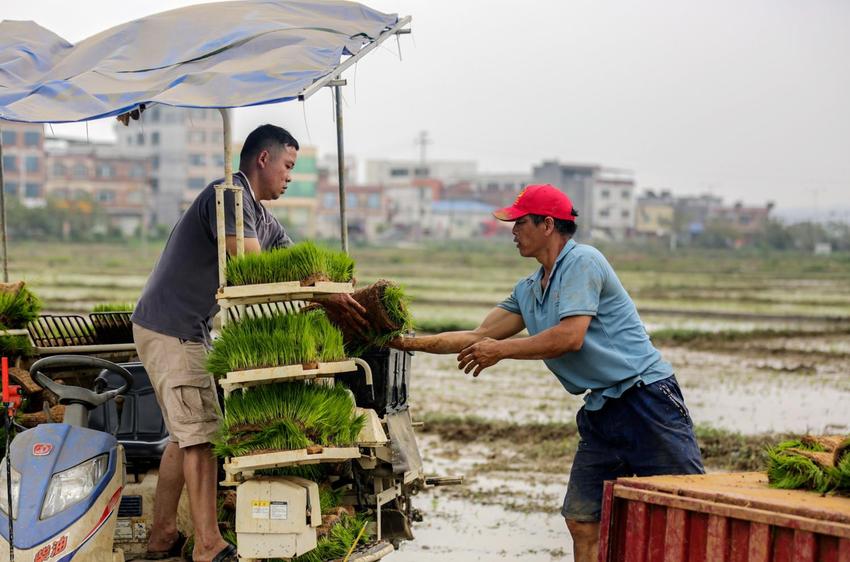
(387, 313)
(277, 348)
(111, 323)
(18, 308)
(301, 272)
(285, 425)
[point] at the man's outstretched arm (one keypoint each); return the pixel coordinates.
(498, 325)
(564, 337)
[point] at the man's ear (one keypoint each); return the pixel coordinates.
(262, 159)
(550, 223)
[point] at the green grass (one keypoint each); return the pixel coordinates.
(287, 416)
(17, 309)
(114, 307)
(336, 544)
(270, 341)
(300, 262)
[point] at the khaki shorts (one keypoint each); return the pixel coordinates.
(185, 392)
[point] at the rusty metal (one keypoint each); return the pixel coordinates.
(720, 518)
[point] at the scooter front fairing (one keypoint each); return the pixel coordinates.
(67, 484)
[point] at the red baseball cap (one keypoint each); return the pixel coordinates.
(546, 200)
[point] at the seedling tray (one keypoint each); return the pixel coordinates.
(235, 466)
(112, 327)
(276, 292)
(254, 377)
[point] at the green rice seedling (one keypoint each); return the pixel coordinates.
(304, 262)
(337, 543)
(270, 341)
(397, 305)
(387, 312)
(114, 307)
(18, 307)
(329, 498)
(789, 468)
(790, 472)
(843, 472)
(314, 472)
(287, 416)
(15, 346)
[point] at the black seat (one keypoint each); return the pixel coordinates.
(140, 429)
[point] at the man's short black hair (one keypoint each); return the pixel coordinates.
(266, 137)
(563, 226)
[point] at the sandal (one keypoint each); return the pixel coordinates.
(227, 554)
(175, 550)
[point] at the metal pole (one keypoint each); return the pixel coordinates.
(3, 218)
(340, 162)
(228, 181)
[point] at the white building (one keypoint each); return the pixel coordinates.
(187, 152)
(403, 172)
(604, 197)
(499, 189)
(459, 219)
(408, 210)
(613, 203)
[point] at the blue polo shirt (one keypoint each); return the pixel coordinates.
(616, 353)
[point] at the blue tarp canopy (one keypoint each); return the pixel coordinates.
(226, 54)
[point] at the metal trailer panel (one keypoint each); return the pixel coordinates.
(731, 517)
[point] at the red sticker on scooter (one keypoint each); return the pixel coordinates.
(42, 449)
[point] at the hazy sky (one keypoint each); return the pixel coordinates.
(747, 99)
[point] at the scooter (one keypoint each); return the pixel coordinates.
(64, 484)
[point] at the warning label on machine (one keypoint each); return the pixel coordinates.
(279, 510)
(260, 509)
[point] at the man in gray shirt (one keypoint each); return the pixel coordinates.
(171, 325)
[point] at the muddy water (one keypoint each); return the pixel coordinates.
(770, 385)
(499, 516)
(745, 390)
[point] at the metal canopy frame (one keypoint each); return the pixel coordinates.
(332, 80)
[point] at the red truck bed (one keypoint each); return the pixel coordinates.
(729, 517)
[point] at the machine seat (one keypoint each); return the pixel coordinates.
(140, 427)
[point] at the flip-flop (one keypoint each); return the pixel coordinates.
(226, 554)
(175, 550)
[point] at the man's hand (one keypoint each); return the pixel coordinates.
(479, 356)
(346, 307)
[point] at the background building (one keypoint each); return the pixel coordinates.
(24, 170)
(119, 183)
(186, 151)
(655, 214)
(612, 203)
(402, 172)
(603, 197)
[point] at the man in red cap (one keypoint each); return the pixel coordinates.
(585, 327)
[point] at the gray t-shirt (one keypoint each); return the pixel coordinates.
(179, 297)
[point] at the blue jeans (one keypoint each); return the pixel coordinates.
(645, 432)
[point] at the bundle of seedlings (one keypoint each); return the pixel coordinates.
(387, 312)
(819, 463)
(18, 307)
(288, 416)
(305, 338)
(304, 262)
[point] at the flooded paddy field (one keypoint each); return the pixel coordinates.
(759, 344)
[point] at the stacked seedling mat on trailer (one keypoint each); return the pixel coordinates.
(284, 418)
